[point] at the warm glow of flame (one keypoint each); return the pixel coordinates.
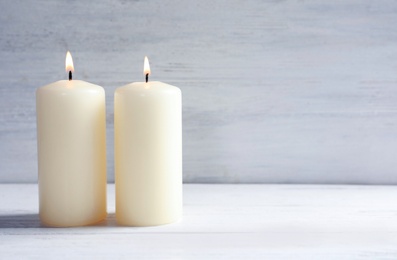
(69, 62)
(146, 67)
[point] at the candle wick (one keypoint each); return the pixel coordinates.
(147, 77)
(70, 75)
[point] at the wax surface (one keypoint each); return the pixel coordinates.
(72, 153)
(148, 154)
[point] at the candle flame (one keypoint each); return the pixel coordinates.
(69, 62)
(146, 67)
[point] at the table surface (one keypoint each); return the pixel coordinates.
(220, 221)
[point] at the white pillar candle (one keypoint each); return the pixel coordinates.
(71, 152)
(148, 153)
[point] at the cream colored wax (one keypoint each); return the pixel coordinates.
(72, 153)
(148, 154)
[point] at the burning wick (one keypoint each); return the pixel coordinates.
(146, 69)
(69, 64)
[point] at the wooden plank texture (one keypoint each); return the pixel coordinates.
(274, 91)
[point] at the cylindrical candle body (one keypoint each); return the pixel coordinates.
(71, 140)
(148, 154)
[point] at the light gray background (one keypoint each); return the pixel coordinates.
(273, 91)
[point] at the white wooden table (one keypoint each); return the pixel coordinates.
(220, 222)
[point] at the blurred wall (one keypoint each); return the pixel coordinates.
(273, 91)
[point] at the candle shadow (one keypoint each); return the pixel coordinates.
(109, 221)
(20, 221)
(33, 221)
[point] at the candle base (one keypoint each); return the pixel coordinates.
(89, 222)
(129, 223)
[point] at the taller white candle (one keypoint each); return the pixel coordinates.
(148, 152)
(71, 151)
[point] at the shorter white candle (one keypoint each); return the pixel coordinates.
(148, 153)
(71, 151)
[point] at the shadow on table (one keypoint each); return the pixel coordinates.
(33, 221)
(109, 221)
(20, 221)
